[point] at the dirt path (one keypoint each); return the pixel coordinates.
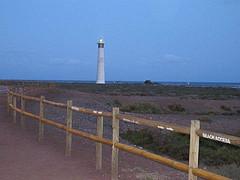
(23, 158)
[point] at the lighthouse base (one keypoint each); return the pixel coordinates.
(100, 82)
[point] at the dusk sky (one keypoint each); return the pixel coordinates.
(161, 40)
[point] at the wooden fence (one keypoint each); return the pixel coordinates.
(194, 131)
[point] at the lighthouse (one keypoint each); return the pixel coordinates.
(100, 63)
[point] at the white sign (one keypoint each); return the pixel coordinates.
(216, 138)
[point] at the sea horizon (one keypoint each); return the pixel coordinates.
(174, 83)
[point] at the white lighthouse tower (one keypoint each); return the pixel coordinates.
(100, 64)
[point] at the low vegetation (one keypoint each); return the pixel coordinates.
(54, 91)
(176, 108)
(205, 119)
(144, 108)
(114, 103)
(155, 89)
(148, 108)
(225, 108)
(177, 146)
(229, 170)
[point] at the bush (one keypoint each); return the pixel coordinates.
(228, 113)
(211, 113)
(232, 171)
(117, 103)
(225, 108)
(114, 103)
(177, 146)
(141, 108)
(215, 154)
(176, 108)
(54, 91)
(205, 119)
(139, 138)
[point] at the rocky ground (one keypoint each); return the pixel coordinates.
(210, 112)
(49, 154)
(22, 157)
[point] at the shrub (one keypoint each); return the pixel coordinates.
(114, 103)
(211, 113)
(54, 91)
(232, 171)
(141, 108)
(117, 103)
(228, 113)
(177, 146)
(139, 138)
(205, 119)
(176, 107)
(225, 108)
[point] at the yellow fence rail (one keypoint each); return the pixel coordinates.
(194, 131)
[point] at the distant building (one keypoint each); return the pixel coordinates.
(100, 63)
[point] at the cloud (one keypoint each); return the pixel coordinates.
(19, 58)
(172, 58)
(163, 59)
(27, 58)
(63, 61)
(67, 61)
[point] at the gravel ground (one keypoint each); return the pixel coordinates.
(22, 157)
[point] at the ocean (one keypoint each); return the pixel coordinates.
(187, 84)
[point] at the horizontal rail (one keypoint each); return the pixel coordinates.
(224, 138)
(61, 105)
(163, 160)
(155, 124)
(92, 112)
(30, 98)
(24, 96)
(208, 175)
(64, 127)
(171, 163)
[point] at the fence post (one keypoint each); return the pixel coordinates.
(68, 147)
(99, 145)
(14, 110)
(115, 139)
(194, 148)
(10, 102)
(22, 110)
(41, 124)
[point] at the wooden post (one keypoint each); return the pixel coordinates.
(8, 102)
(99, 145)
(68, 147)
(115, 139)
(22, 110)
(194, 149)
(14, 111)
(11, 102)
(41, 124)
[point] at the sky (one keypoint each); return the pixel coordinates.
(160, 40)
